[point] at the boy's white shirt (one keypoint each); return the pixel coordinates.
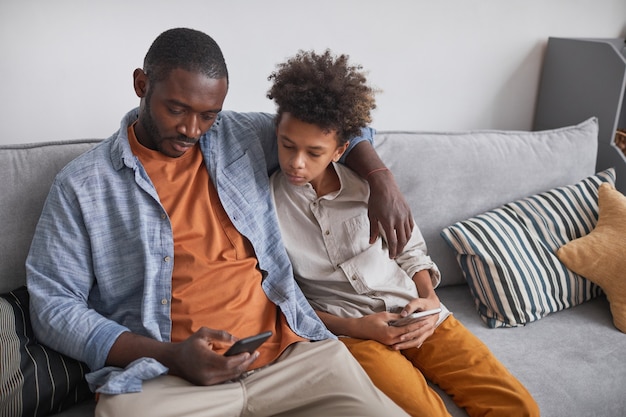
(327, 240)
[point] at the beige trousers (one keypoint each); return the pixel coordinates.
(308, 380)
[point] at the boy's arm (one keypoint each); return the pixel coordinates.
(387, 206)
(427, 299)
(371, 327)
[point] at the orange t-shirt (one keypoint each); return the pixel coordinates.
(215, 282)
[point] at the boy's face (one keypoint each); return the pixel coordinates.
(305, 150)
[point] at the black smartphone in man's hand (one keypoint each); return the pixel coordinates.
(248, 344)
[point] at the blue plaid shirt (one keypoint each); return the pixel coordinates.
(101, 260)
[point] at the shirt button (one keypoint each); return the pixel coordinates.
(167, 259)
(164, 301)
(354, 277)
(327, 232)
(163, 216)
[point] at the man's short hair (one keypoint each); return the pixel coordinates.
(187, 49)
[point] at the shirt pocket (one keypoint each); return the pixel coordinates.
(357, 233)
(372, 273)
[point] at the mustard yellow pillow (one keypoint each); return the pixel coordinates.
(600, 256)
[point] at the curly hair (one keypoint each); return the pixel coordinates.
(324, 90)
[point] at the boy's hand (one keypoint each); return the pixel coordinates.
(376, 327)
(416, 334)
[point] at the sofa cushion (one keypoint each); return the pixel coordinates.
(508, 255)
(27, 172)
(599, 256)
(35, 380)
(451, 176)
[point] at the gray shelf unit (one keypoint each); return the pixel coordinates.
(582, 78)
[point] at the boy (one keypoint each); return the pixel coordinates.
(354, 286)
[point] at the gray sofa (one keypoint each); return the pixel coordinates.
(571, 360)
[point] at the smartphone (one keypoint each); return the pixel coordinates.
(412, 318)
(248, 344)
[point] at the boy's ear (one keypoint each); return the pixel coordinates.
(340, 150)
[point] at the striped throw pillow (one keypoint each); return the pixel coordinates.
(508, 255)
(34, 379)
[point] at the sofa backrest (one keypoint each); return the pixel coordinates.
(446, 177)
(451, 176)
(26, 173)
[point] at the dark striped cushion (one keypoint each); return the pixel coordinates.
(34, 379)
(508, 255)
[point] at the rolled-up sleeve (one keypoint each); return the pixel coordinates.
(414, 258)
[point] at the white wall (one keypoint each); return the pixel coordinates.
(66, 65)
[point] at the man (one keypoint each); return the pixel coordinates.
(159, 248)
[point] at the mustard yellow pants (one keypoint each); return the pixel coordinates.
(454, 359)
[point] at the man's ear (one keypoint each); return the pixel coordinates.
(140, 82)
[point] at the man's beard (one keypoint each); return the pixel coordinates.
(154, 135)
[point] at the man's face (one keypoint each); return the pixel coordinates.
(176, 111)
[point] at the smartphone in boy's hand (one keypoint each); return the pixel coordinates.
(412, 318)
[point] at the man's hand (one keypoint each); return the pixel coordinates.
(197, 362)
(194, 359)
(388, 208)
